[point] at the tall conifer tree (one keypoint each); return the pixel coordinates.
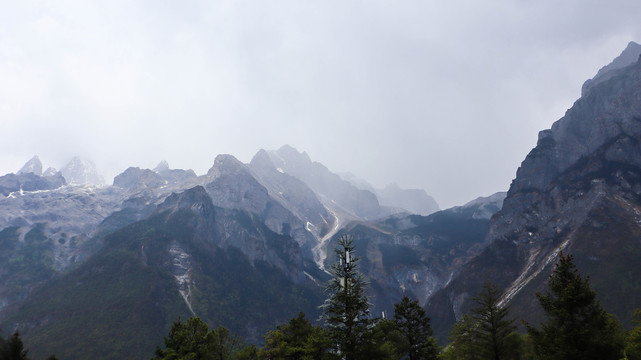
(577, 326)
(493, 325)
(13, 348)
(346, 310)
(412, 322)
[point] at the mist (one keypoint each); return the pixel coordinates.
(444, 96)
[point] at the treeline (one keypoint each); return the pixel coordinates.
(575, 327)
(349, 332)
(12, 348)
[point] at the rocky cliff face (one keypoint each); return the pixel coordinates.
(293, 194)
(232, 185)
(577, 191)
(188, 257)
(34, 166)
(173, 175)
(332, 190)
(415, 255)
(413, 201)
(82, 172)
(137, 179)
(244, 245)
(12, 183)
(416, 201)
(629, 56)
(608, 109)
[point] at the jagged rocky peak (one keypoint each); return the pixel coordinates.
(290, 191)
(162, 166)
(330, 187)
(416, 201)
(226, 165)
(288, 156)
(495, 200)
(577, 191)
(629, 56)
(173, 175)
(34, 166)
(262, 160)
(611, 108)
(137, 178)
(81, 172)
(29, 182)
(485, 206)
(50, 172)
(356, 181)
(195, 199)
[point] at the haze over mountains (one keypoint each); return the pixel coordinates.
(83, 265)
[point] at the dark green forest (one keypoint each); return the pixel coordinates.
(575, 327)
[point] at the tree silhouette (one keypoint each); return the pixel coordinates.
(577, 326)
(412, 322)
(346, 310)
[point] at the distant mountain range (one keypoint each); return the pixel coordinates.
(164, 243)
(89, 270)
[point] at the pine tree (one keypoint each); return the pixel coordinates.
(413, 323)
(633, 346)
(346, 311)
(462, 340)
(577, 326)
(493, 326)
(194, 340)
(13, 348)
(298, 339)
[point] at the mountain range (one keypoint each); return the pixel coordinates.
(244, 246)
(90, 270)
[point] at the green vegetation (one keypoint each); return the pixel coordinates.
(633, 343)
(350, 333)
(128, 293)
(488, 333)
(346, 310)
(493, 325)
(24, 264)
(194, 340)
(297, 340)
(413, 324)
(577, 326)
(12, 348)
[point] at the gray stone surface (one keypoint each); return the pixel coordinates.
(34, 166)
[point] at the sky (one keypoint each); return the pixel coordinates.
(446, 96)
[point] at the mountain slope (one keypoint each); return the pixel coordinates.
(416, 255)
(188, 258)
(578, 191)
(335, 192)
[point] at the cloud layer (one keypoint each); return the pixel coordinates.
(445, 96)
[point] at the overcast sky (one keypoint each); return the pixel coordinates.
(447, 96)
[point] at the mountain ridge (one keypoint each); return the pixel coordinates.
(587, 162)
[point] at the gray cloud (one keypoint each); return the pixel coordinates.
(445, 96)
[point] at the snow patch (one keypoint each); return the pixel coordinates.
(320, 250)
(181, 269)
(524, 278)
(309, 227)
(311, 277)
